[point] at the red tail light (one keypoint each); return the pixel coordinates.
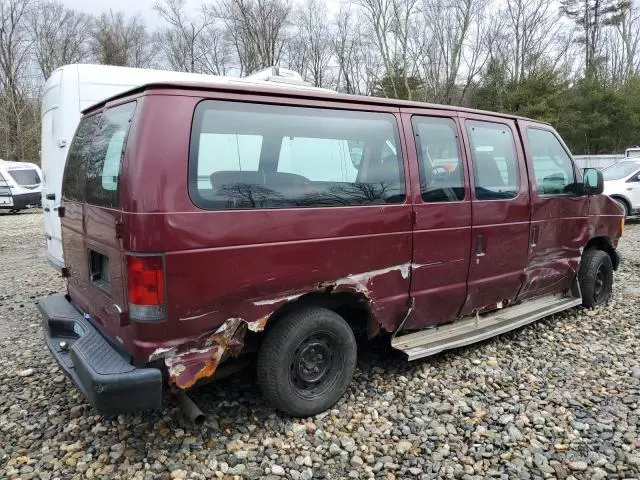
(145, 288)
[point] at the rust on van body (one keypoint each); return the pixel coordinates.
(198, 359)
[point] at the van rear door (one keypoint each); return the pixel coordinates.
(52, 158)
(95, 258)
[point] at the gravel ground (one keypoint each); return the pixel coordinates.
(557, 399)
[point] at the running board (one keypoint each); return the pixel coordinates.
(475, 329)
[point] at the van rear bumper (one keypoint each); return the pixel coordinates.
(104, 375)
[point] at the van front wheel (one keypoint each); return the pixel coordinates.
(596, 278)
(306, 361)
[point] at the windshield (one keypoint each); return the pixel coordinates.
(620, 170)
(25, 177)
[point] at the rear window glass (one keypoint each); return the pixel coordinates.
(25, 177)
(263, 156)
(75, 170)
(107, 150)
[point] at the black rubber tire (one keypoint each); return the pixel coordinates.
(596, 278)
(625, 205)
(280, 349)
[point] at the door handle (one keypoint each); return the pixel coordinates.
(50, 196)
(480, 245)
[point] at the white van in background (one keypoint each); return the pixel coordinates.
(20, 185)
(73, 88)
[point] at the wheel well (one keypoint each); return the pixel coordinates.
(353, 307)
(604, 244)
(622, 199)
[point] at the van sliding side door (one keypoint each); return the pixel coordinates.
(442, 212)
(500, 205)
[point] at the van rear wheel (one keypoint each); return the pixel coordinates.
(596, 278)
(306, 361)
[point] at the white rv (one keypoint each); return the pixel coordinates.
(20, 185)
(73, 88)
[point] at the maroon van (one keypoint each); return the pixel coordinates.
(205, 223)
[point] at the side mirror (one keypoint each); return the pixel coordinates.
(593, 182)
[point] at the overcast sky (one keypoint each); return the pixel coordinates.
(131, 7)
(144, 7)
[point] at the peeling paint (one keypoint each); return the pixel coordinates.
(158, 353)
(277, 300)
(366, 277)
(259, 324)
(199, 358)
(195, 317)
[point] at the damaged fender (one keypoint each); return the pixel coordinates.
(199, 358)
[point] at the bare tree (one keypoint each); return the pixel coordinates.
(532, 30)
(116, 40)
(191, 43)
(256, 29)
(591, 16)
(59, 35)
(358, 61)
(310, 44)
(390, 22)
(15, 48)
(624, 45)
(452, 45)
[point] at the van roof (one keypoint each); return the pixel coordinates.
(283, 90)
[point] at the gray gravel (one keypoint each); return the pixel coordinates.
(558, 399)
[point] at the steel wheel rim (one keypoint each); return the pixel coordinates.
(315, 365)
(600, 286)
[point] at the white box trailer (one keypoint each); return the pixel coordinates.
(73, 88)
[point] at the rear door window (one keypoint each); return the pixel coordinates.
(441, 167)
(73, 184)
(107, 150)
(495, 162)
(266, 156)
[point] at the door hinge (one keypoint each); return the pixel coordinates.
(119, 229)
(60, 212)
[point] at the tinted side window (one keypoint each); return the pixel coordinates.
(265, 156)
(73, 184)
(495, 163)
(107, 150)
(552, 166)
(441, 168)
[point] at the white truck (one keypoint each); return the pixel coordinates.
(632, 153)
(73, 88)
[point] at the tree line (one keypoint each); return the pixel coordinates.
(572, 63)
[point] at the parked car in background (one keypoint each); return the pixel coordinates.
(622, 183)
(633, 152)
(20, 185)
(202, 223)
(73, 88)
